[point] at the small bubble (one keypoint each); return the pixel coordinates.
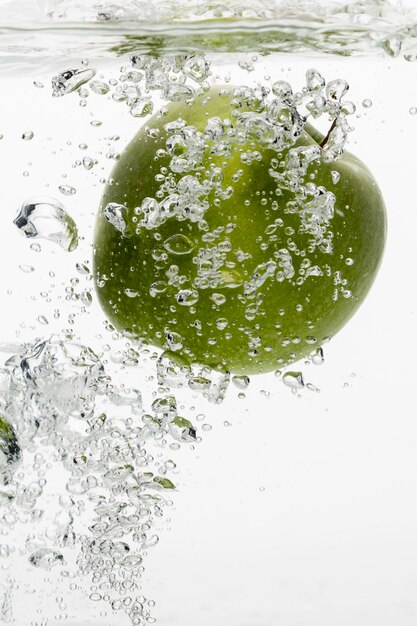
(88, 163)
(131, 293)
(82, 268)
(241, 382)
(95, 597)
(178, 245)
(67, 190)
(114, 214)
(28, 135)
(294, 380)
(335, 176)
(317, 357)
(199, 383)
(141, 108)
(314, 80)
(367, 103)
(218, 298)
(412, 110)
(99, 87)
(46, 558)
(196, 67)
(174, 340)
(70, 80)
(187, 297)
(222, 323)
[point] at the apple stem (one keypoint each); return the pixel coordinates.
(326, 139)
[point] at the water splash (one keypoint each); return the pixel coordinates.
(338, 27)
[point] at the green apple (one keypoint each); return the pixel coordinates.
(226, 235)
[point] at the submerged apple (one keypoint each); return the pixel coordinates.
(226, 234)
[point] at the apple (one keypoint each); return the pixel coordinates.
(229, 235)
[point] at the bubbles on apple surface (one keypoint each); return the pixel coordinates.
(187, 297)
(179, 244)
(115, 214)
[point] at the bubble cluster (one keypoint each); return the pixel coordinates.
(58, 395)
(202, 169)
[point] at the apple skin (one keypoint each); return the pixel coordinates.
(291, 319)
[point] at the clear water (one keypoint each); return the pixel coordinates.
(132, 490)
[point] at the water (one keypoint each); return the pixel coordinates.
(135, 486)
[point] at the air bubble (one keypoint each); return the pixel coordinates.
(182, 429)
(335, 176)
(241, 382)
(67, 190)
(199, 383)
(187, 297)
(88, 163)
(218, 298)
(196, 67)
(141, 108)
(172, 369)
(174, 340)
(46, 558)
(115, 214)
(99, 87)
(178, 245)
(317, 357)
(314, 80)
(336, 89)
(70, 80)
(46, 218)
(294, 380)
